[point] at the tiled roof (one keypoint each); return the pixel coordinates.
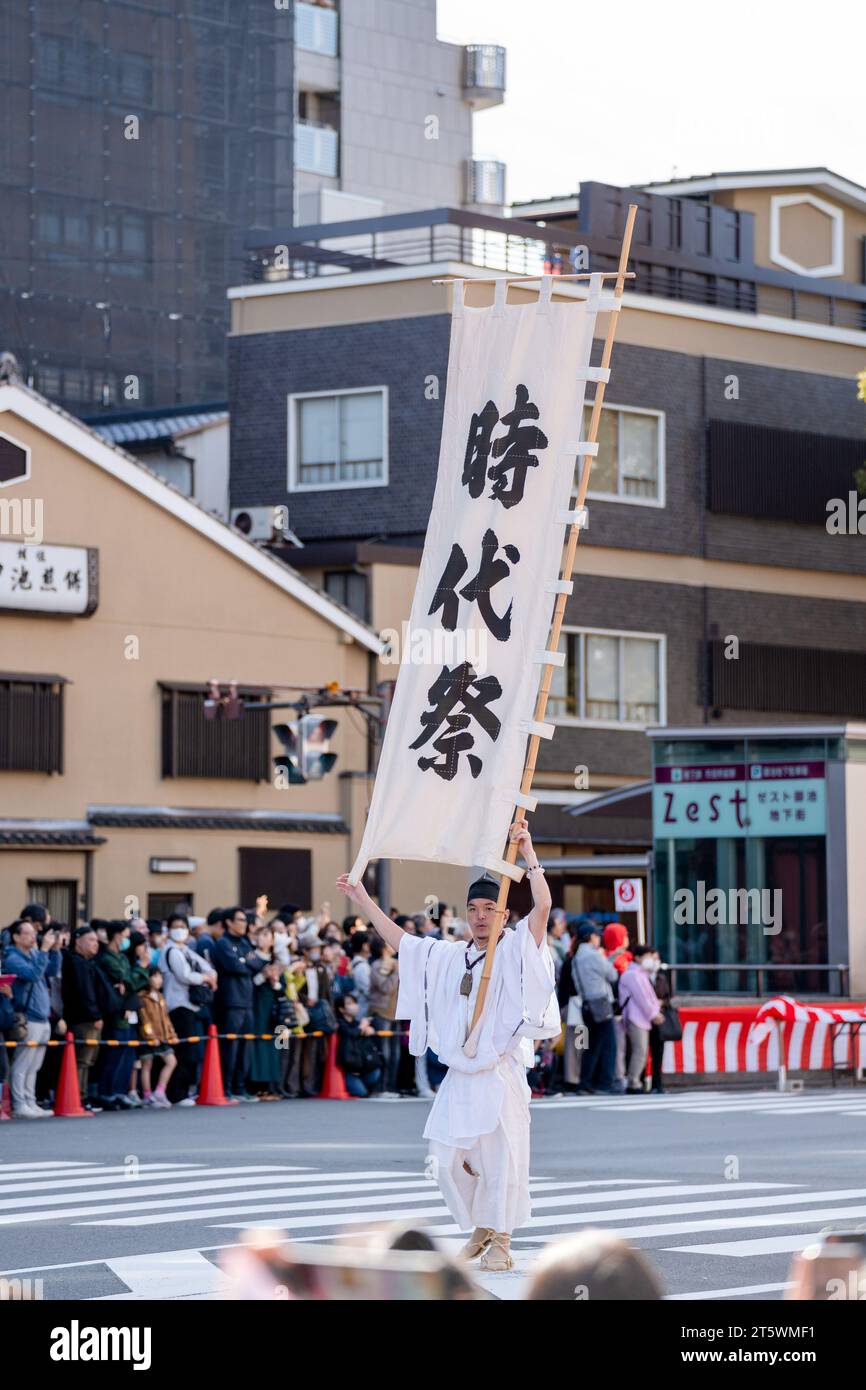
(27, 838)
(155, 818)
(138, 431)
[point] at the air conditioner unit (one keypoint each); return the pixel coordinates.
(263, 523)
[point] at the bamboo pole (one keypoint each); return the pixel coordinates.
(622, 274)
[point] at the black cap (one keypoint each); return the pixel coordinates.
(483, 888)
(83, 930)
(35, 912)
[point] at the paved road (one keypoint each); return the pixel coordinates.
(720, 1188)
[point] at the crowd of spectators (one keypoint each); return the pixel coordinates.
(292, 979)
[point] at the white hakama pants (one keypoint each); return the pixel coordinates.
(496, 1192)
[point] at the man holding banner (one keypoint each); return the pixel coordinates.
(478, 1126)
(467, 718)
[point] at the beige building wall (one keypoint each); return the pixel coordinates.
(768, 339)
(173, 606)
(805, 232)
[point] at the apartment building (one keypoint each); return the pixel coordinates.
(713, 588)
(144, 138)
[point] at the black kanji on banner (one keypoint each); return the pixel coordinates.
(455, 706)
(514, 450)
(490, 572)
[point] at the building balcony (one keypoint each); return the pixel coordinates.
(721, 280)
(483, 75)
(316, 28)
(317, 149)
(485, 182)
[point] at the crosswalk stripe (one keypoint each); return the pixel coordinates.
(284, 1208)
(149, 1185)
(153, 1170)
(737, 1292)
(711, 1103)
(759, 1245)
(723, 1223)
(346, 1218)
(180, 1207)
(180, 1190)
(171, 1274)
(48, 1163)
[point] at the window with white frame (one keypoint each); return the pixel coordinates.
(609, 678)
(630, 461)
(338, 438)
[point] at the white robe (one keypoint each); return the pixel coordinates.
(481, 1112)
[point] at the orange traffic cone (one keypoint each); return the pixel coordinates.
(67, 1099)
(333, 1085)
(210, 1090)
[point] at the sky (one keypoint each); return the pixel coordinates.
(632, 92)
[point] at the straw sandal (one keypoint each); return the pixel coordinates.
(477, 1243)
(497, 1256)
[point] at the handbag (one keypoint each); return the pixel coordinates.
(574, 1008)
(600, 1009)
(671, 1028)
(199, 995)
(18, 1031)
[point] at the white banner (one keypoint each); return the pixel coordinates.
(455, 743)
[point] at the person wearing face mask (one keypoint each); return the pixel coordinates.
(188, 984)
(662, 986)
(640, 1010)
(282, 953)
(236, 965)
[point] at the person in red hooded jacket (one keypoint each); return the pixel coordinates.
(614, 936)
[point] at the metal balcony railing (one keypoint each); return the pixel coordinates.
(523, 248)
(316, 28)
(317, 148)
(483, 74)
(485, 182)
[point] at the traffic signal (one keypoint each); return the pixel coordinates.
(316, 735)
(307, 757)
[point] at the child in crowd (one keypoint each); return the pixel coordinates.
(157, 1033)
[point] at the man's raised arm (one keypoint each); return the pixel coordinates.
(388, 930)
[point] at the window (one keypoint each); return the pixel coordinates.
(610, 678)
(193, 746)
(31, 723)
(284, 874)
(783, 475)
(72, 64)
(789, 680)
(60, 896)
(348, 587)
(133, 77)
(160, 906)
(126, 242)
(338, 439)
(630, 461)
